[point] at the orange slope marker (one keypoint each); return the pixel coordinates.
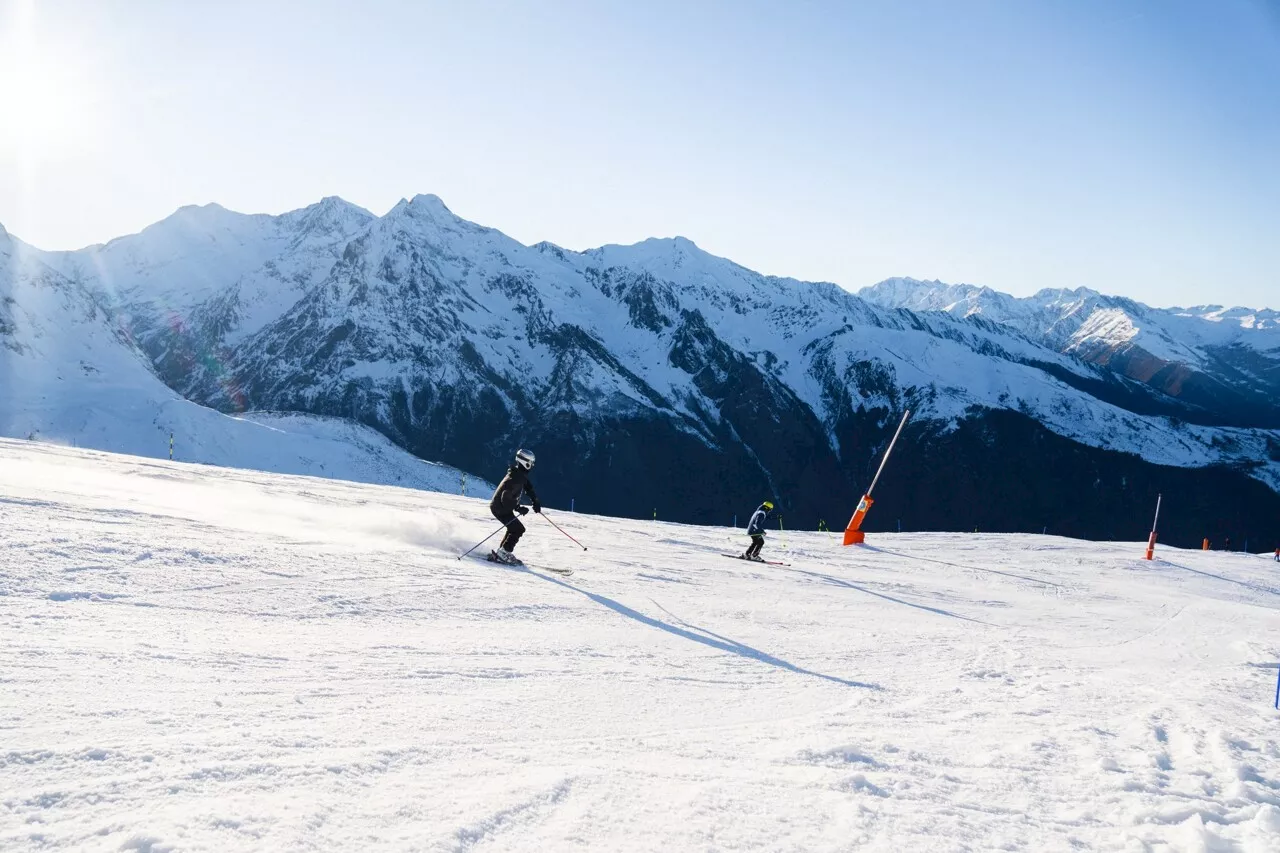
(853, 534)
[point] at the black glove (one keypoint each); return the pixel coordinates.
(523, 510)
(537, 507)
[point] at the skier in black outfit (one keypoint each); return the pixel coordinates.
(506, 503)
(755, 529)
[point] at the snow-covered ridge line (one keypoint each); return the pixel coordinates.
(936, 295)
(462, 343)
(1067, 318)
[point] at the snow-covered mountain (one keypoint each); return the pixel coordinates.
(660, 377)
(1224, 363)
(70, 374)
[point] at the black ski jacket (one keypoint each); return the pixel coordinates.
(510, 489)
(755, 527)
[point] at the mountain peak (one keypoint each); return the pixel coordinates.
(208, 214)
(676, 243)
(330, 214)
(429, 202)
(200, 216)
(427, 208)
(546, 247)
(337, 202)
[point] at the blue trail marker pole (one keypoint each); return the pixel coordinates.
(571, 500)
(1278, 688)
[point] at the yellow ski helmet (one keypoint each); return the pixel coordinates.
(768, 504)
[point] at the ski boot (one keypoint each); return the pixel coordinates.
(502, 555)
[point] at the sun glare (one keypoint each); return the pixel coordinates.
(43, 91)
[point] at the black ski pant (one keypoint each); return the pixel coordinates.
(515, 529)
(757, 542)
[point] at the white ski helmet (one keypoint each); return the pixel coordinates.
(524, 458)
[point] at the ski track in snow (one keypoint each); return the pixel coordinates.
(194, 658)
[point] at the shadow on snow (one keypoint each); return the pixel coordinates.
(839, 582)
(695, 634)
(1266, 590)
(967, 568)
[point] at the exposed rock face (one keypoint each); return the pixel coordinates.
(657, 376)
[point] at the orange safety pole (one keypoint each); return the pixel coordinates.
(1151, 542)
(853, 534)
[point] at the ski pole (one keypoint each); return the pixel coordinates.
(486, 539)
(561, 529)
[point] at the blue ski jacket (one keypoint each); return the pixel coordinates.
(755, 527)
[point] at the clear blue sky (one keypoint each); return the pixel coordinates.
(1133, 147)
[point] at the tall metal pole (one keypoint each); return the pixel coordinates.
(896, 433)
(1151, 541)
(853, 534)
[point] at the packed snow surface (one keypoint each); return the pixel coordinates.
(197, 658)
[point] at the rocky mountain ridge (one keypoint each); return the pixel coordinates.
(660, 377)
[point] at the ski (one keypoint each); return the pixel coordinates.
(491, 558)
(745, 560)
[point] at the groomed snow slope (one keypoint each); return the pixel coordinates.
(212, 659)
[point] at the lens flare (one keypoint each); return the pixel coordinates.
(45, 93)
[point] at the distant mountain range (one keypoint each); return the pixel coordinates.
(1223, 365)
(659, 377)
